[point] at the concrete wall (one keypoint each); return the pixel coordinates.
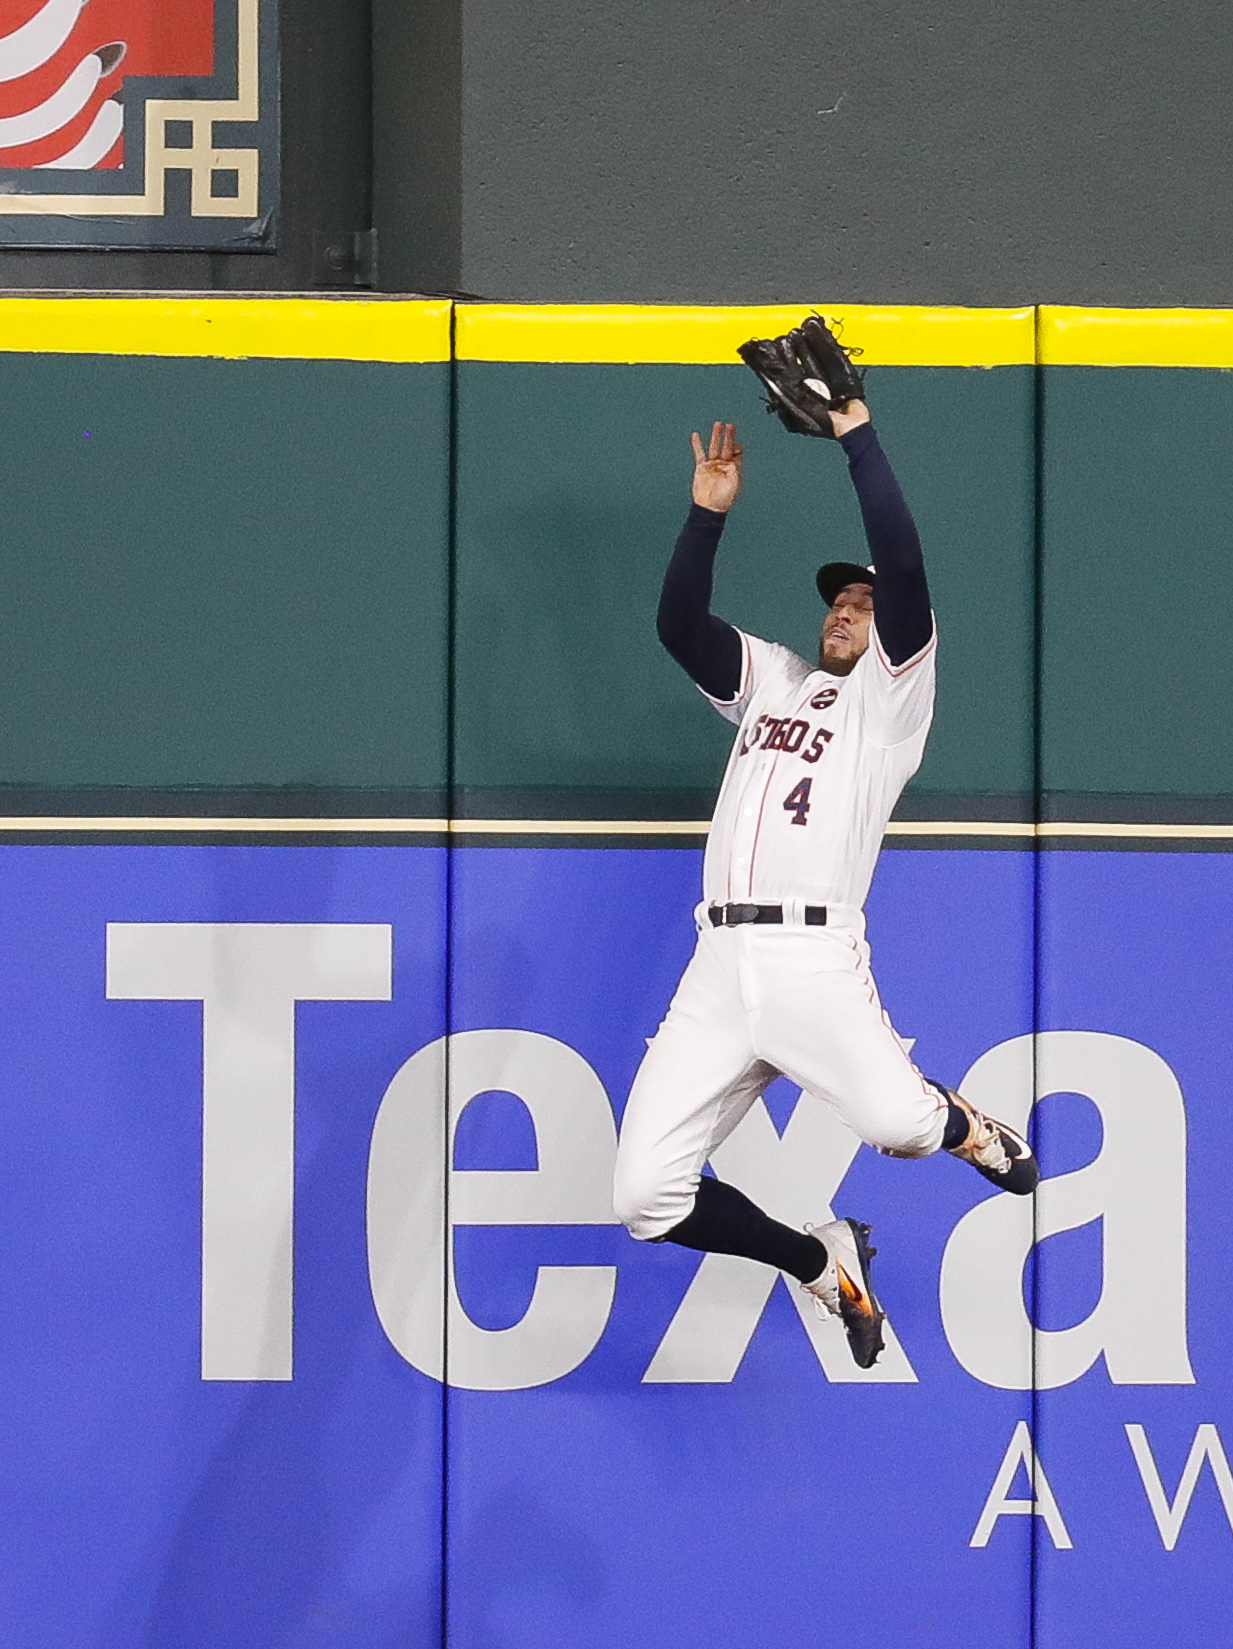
(730, 152)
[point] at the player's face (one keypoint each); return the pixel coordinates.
(845, 632)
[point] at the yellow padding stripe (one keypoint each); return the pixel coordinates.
(1135, 337)
(307, 329)
(402, 329)
(704, 336)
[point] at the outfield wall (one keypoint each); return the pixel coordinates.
(349, 805)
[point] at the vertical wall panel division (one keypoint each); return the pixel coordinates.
(224, 666)
(656, 1465)
(1136, 916)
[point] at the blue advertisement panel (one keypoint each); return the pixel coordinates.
(716, 1469)
(179, 1468)
(237, 1277)
(1135, 1418)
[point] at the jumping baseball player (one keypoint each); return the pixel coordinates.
(780, 980)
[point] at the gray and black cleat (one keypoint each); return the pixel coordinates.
(1004, 1157)
(844, 1289)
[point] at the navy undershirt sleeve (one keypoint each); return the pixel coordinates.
(710, 650)
(702, 644)
(901, 610)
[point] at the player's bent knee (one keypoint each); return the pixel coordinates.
(647, 1206)
(636, 1213)
(637, 1218)
(640, 1223)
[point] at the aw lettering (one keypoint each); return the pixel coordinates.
(249, 977)
(1168, 1512)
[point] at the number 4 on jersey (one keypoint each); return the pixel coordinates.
(797, 803)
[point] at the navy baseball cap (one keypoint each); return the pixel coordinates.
(837, 575)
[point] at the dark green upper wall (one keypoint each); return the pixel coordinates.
(1137, 668)
(237, 578)
(572, 484)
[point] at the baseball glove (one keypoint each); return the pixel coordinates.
(807, 373)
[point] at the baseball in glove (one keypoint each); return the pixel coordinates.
(806, 373)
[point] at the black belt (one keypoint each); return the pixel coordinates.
(732, 916)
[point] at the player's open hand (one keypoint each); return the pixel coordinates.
(717, 473)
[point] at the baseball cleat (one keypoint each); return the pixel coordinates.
(996, 1151)
(844, 1289)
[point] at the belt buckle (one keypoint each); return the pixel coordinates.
(739, 915)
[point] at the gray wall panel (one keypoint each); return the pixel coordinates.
(945, 152)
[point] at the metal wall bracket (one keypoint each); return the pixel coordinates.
(345, 257)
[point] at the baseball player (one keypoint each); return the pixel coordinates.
(780, 980)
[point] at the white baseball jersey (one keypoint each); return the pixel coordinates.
(817, 767)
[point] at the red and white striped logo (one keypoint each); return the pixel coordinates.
(63, 65)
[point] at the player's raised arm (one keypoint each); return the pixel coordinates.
(901, 609)
(702, 644)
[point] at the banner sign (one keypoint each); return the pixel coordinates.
(139, 123)
(273, 1374)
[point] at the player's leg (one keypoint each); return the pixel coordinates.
(697, 1080)
(826, 1028)
(822, 1023)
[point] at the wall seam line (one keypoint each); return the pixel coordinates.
(1038, 554)
(451, 615)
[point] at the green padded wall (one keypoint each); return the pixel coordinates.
(1136, 666)
(573, 480)
(235, 574)
(223, 572)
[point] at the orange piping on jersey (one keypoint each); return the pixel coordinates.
(753, 851)
(863, 974)
(745, 667)
(902, 669)
(867, 974)
(925, 1086)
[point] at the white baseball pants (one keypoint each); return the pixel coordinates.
(756, 1002)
